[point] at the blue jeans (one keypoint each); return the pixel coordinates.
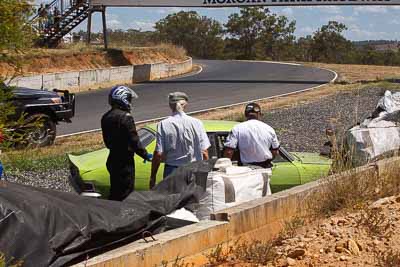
(1, 170)
(168, 169)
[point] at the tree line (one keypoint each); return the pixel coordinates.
(255, 33)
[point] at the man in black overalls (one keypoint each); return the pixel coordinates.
(121, 138)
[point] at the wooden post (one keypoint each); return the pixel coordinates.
(103, 13)
(89, 28)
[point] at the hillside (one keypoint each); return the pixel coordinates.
(60, 60)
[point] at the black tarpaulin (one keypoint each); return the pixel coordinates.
(44, 227)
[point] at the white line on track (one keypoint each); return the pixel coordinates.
(270, 62)
(224, 106)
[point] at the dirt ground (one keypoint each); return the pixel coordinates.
(363, 238)
(349, 73)
(60, 60)
(367, 237)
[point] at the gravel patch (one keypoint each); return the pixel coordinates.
(299, 128)
(302, 127)
(54, 179)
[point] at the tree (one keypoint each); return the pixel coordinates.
(16, 34)
(303, 48)
(15, 31)
(199, 35)
(278, 37)
(257, 33)
(246, 28)
(329, 45)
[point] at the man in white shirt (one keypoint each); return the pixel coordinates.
(181, 139)
(257, 141)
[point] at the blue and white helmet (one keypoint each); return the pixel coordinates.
(122, 96)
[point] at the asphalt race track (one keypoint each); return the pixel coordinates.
(220, 83)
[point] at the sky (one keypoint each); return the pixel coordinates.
(363, 22)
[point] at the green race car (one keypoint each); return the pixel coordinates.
(89, 172)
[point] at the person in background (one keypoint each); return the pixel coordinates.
(50, 17)
(257, 141)
(57, 17)
(42, 13)
(121, 138)
(181, 139)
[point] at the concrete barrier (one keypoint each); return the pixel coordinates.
(88, 78)
(122, 74)
(81, 80)
(260, 219)
(34, 82)
(142, 73)
(103, 76)
(65, 80)
(159, 71)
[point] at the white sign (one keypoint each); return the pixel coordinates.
(236, 3)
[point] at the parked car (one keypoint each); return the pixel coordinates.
(89, 172)
(47, 107)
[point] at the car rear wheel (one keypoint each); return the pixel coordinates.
(42, 134)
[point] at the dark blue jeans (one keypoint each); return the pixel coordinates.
(1, 170)
(168, 169)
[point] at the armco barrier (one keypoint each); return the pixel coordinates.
(260, 219)
(80, 80)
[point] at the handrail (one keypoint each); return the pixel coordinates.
(67, 13)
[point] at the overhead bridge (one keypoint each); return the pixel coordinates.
(235, 3)
(51, 29)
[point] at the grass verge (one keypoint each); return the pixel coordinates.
(350, 73)
(53, 157)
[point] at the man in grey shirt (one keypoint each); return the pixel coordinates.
(181, 139)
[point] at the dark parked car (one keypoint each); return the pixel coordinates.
(48, 107)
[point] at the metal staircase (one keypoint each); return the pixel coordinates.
(72, 13)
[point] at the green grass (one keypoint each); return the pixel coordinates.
(25, 160)
(18, 162)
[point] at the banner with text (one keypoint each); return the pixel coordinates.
(236, 3)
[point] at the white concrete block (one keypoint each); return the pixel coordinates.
(33, 82)
(69, 79)
(121, 74)
(142, 73)
(87, 78)
(103, 75)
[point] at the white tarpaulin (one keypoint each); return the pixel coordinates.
(233, 186)
(236, 3)
(376, 136)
